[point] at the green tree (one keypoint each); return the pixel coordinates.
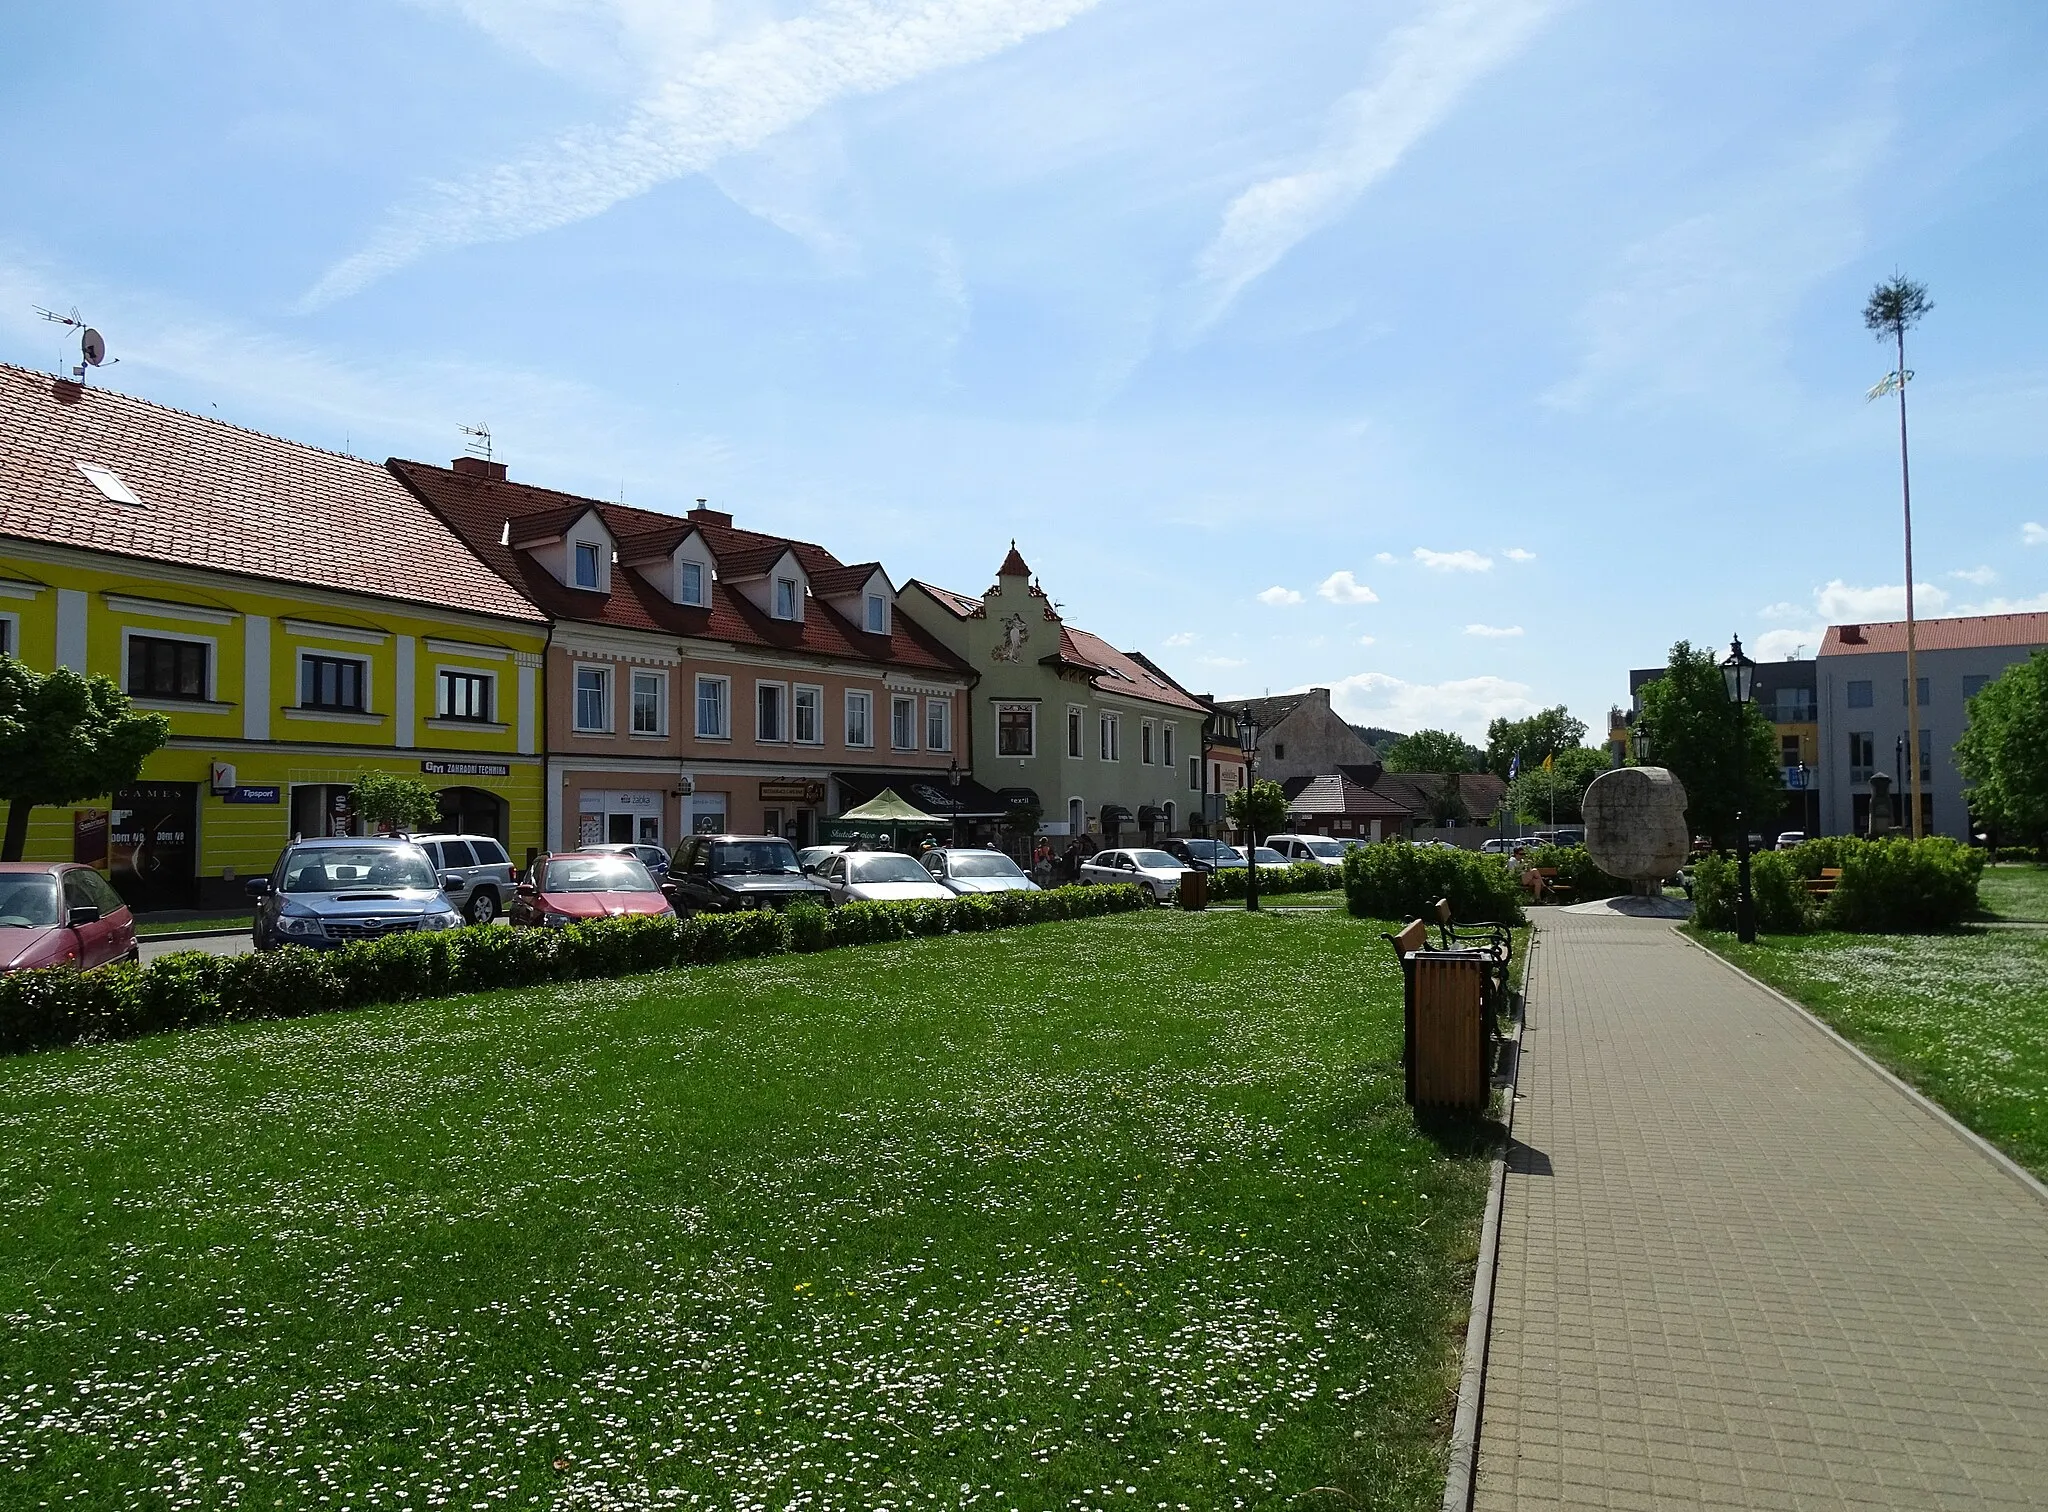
(1260, 809)
(1540, 735)
(1725, 754)
(1537, 795)
(64, 738)
(1447, 804)
(1432, 751)
(2003, 754)
(404, 803)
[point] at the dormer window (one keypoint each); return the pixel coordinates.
(785, 598)
(690, 583)
(878, 614)
(586, 564)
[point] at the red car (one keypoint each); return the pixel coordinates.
(56, 914)
(569, 888)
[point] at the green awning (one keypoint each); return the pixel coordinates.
(886, 808)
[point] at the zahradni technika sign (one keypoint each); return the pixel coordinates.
(466, 768)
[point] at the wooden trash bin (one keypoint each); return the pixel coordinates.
(1194, 890)
(1444, 1039)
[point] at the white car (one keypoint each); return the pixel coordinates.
(811, 857)
(877, 877)
(1154, 870)
(1310, 848)
(977, 871)
(1267, 857)
(1791, 838)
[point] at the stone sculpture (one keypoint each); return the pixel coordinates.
(1635, 825)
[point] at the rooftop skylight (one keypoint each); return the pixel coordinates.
(109, 483)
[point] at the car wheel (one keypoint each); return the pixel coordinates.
(482, 907)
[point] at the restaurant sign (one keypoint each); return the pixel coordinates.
(787, 790)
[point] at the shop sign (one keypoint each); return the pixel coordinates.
(590, 829)
(791, 790)
(89, 837)
(248, 795)
(466, 768)
(223, 776)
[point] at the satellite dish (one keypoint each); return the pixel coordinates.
(92, 346)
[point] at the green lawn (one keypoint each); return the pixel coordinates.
(1963, 1017)
(2015, 891)
(1125, 1212)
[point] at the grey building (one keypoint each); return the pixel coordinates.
(1863, 692)
(1300, 735)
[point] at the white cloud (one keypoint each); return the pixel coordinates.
(1783, 610)
(1981, 576)
(699, 105)
(1517, 554)
(1494, 632)
(1453, 561)
(2036, 605)
(1384, 556)
(1365, 640)
(1420, 72)
(1181, 638)
(1784, 645)
(1838, 602)
(1466, 705)
(1277, 596)
(2034, 535)
(1343, 588)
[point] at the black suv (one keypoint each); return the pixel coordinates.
(1205, 855)
(728, 873)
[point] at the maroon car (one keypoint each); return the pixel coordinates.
(56, 914)
(568, 889)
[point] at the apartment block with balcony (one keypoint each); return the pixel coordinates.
(1863, 711)
(1787, 694)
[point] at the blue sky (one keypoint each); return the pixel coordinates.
(1455, 354)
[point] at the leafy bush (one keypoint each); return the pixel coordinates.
(1299, 877)
(1783, 905)
(1886, 886)
(1396, 880)
(1577, 870)
(61, 1006)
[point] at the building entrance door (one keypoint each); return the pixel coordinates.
(153, 850)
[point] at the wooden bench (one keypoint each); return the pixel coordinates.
(1543, 884)
(1824, 885)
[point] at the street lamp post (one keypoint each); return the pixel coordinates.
(1739, 673)
(1639, 742)
(1248, 743)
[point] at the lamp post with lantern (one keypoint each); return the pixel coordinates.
(1248, 744)
(1739, 673)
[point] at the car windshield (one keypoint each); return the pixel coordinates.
(1214, 850)
(1267, 856)
(338, 868)
(1328, 850)
(970, 864)
(28, 902)
(885, 868)
(586, 874)
(751, 857)
(1155, 860)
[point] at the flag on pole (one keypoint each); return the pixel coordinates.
(1549, 764)
(1514, 767)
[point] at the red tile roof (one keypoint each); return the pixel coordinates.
(478, 508)
(1963, 633)
(960, 605)
(1013, 564)
(217, 496)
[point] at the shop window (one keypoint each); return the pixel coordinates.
(332, 682)
(465, 695)
(163, 668)
(593, 699)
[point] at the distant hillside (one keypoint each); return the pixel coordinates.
(1379, 739)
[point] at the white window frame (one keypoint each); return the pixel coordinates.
(938, 724)
(1109, 737)
(150, 632)
(816, 694)
(1166, 745)
(724, 731)
(762, 685)
(703, 582)
(328, 653)
(1148, 735)
(596, 550)
(795, 590)
(877, 621)
(898, 703)
(604, 674)
(659, 680)
(1077, 732)
(865, 700)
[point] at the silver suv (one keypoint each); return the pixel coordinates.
(480, 863)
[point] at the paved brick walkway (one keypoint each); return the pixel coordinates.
(1738, 1268)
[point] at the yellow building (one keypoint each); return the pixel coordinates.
(299, 617)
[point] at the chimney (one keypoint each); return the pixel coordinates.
(1852, 635)
(702, 516)
(477, 467)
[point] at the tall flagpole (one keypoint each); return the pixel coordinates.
(1892, 307)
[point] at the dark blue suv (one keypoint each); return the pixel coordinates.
(325, 893)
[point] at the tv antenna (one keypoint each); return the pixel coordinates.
(479, 443)
(92, 346)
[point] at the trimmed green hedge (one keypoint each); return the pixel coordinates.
(1396, 880)
(63, 1006)
(1300, 877)
(1895, 886)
